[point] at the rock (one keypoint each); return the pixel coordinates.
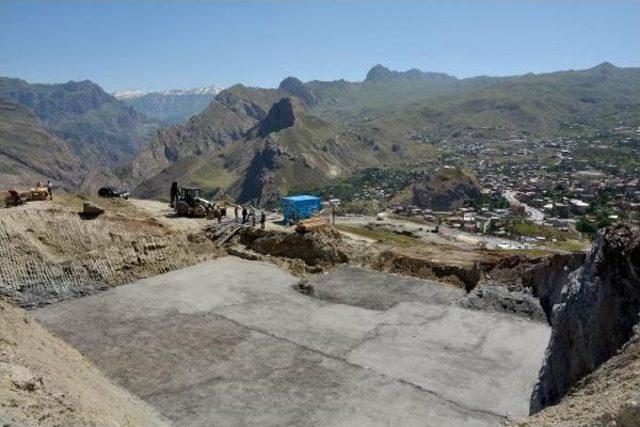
(595, 316)
(304, 287)
(21, 377)
(630, 415)
(90, 209)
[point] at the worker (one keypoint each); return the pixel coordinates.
(244, 214)
(235, 211)
(263, 219)
(173, 194)
(50, 189)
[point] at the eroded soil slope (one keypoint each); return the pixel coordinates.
(43, 381)
(51, 254)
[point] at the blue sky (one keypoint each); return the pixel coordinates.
(170, 44)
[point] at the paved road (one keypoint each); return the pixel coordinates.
(534, 214)
(229, 342)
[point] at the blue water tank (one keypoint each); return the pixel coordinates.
(300, 207)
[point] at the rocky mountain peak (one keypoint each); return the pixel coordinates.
(295, 87)
(283, 114)
(379, 73)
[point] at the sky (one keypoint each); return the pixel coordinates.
(180, 44)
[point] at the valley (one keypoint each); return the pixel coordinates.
(472, 258)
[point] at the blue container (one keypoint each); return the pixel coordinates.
(300, 207)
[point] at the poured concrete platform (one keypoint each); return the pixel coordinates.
(229, 342)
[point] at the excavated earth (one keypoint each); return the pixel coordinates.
(231, 342)
(43, 381)
(228, 341)
(51, 253)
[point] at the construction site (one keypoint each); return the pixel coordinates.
(119, 311)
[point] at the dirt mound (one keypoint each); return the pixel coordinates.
(446, 189)
(49, 253)
(43, 381)
(417, 266)
(321, 247)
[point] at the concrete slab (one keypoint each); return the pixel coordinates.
(378, 290)
(229, 342)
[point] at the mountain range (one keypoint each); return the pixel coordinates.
(254, 144)
(339, 125)
(172, 106)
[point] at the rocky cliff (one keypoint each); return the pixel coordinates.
(595, 314)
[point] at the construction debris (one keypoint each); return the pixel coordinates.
(311, 224)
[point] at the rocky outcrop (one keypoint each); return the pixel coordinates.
(258, 185)
(542, 278)
(281, 115)
(446, 189)
(594, 316)
(609, 396)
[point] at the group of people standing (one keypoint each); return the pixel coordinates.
(250, 215)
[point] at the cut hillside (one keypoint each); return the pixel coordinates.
(45, 382)
(50, 253)
(99, 128)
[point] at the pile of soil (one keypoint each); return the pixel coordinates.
(43, 381)
(418, 266)
(324, 246)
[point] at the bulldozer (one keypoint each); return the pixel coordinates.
(190, 203)
(38, 193)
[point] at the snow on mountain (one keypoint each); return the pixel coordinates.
(128, 94)
(137, 93)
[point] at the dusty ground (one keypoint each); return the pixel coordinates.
(49, 253)
(165, 214)
(230, 342)
(43, 381)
